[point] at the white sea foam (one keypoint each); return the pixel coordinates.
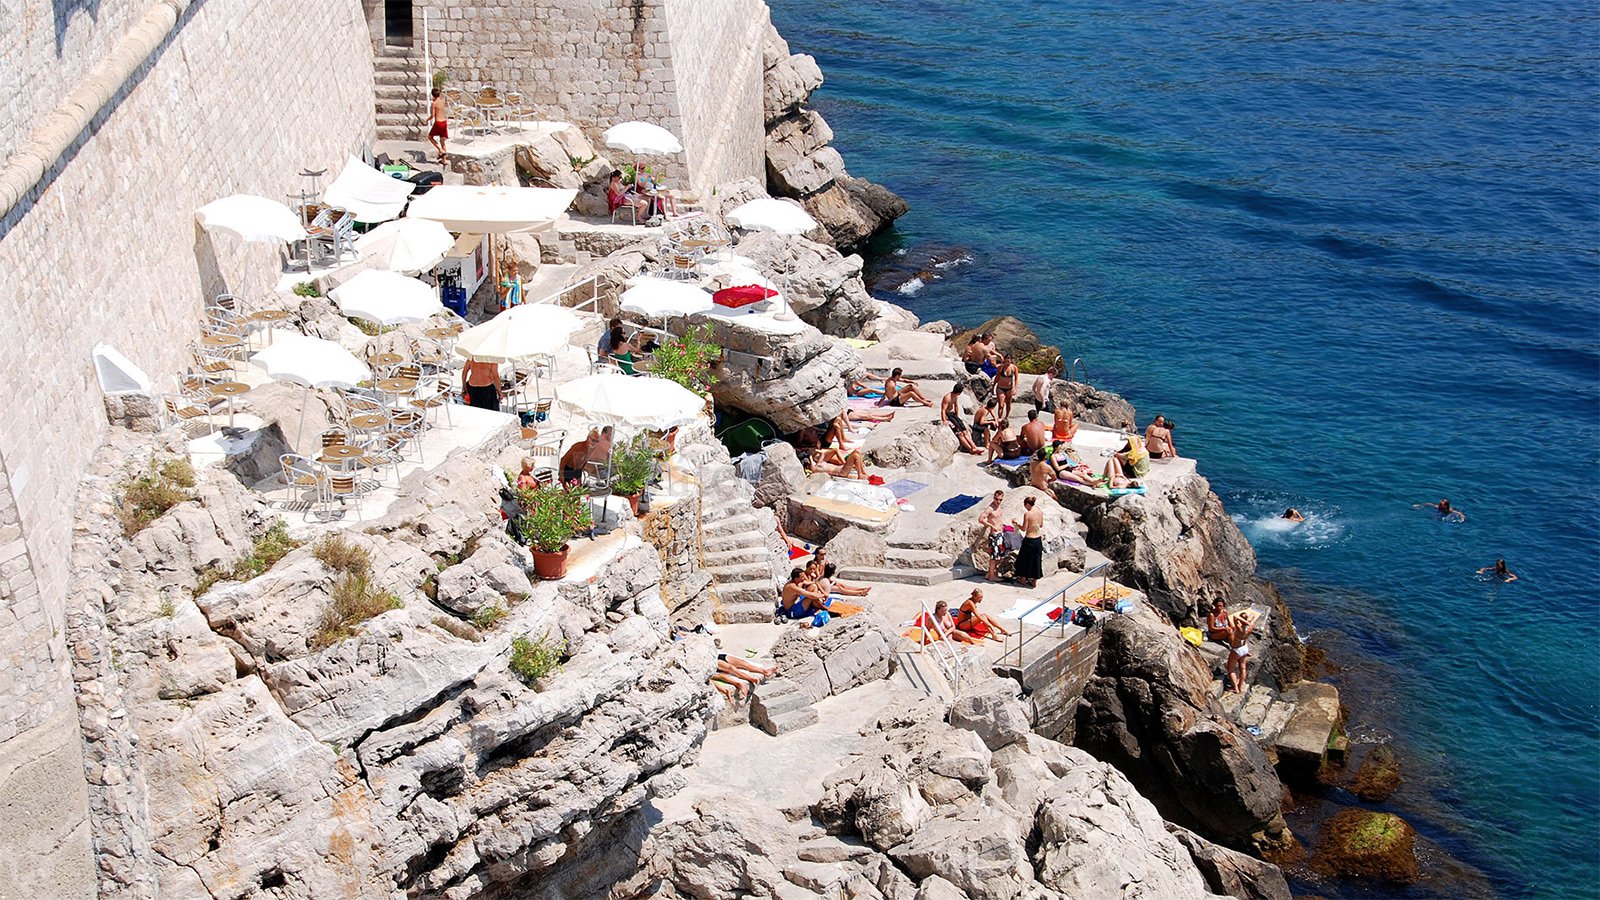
(911, 287)
(1321, 527)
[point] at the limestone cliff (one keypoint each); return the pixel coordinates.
(800, 164)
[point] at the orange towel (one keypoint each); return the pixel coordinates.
(840, 609)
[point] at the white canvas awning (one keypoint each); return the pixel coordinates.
(487, 209)
(369, 194)
(252, 218)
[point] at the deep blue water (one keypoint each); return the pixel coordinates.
(1353, 248)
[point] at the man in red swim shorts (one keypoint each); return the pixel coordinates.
(440, 132)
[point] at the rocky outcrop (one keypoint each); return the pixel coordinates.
(822, 286)
(801, 165)
(1180, 547)
(820, 662)
(794, 380)
(1090, 405)
(1015, 339)
(1147, 710)
(247, 750)
(1231, 872)
(1366, 844)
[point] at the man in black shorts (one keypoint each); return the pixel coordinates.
(950, 413)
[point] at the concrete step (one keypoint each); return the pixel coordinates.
(1257, 700)
(1272, 724)
(727, 524)
(763, 591)
(1304, 738)
(778, 708)
(406, 77)
(398, 133)
(741, 572)
(752, 554)
(916, 559)
(923, 577)
(397, 63)
(742, 613)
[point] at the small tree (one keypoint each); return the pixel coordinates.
(632, 465)
(689, 360)
(440, 77)
(552, 514)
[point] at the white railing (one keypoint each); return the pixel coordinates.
(944, 654)
(591, 303)
(1061, 622)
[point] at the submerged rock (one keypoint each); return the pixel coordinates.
(1378, 776)
(1363, 844)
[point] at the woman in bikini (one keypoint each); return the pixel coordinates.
(832, 461)
(1005, 385)
(1007, 444)
(944, 626)
(976, 624)
(983, 423)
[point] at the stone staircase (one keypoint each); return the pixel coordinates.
(400, 93)
(739, 545)
(1297, 728)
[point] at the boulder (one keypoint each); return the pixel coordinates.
(793, 138)
(1363, 844)
(857, 547)
(782, 476)
(990, 708)
(496, 573)
(935, 888)
(889, 320)
(830, 660)
(1012, 337)
(1090, 405)
(883, 203)
(794, 380)
(542, 161)
(979, 850)
(821, 285)
(925, 447)
(848, 221)
(280, 403)
(1099, 839)
(1378, 776)
(1148, 711)
(1064, 548)
(1230, 872)
(728, 848)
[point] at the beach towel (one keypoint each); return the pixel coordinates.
(860, 343)
(1013, 463)
(840, 609)
(1103, 597)
(958, 504)
(869, 402)
(905, 487)
(1118, 492)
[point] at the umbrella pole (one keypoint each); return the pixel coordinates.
(300, 432)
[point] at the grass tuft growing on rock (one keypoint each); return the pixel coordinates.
(164, 485)
(532, 660)
(337, 553)
(488, 616)
(355, 600)
(273, 545)
(458, 628)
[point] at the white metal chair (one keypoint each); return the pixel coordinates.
(181, 410)
(299, 472)
(433, 392)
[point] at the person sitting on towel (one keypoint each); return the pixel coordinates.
(797, 599)
(1065, 426)
(1034, 434)
(978, 624)
(944, 627)
(898, 390)
(1040, 472)
(1006, 443)
(1129, 464)
(1069, 468)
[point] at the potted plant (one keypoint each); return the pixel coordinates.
(551, 515)
(690, 360)
(632, 464)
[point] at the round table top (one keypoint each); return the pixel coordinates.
(271, 315)
(228, 389)
(222, 340)
(368, 421)
(699, 242)
(388, 359)
(440, 334)
(340, 453)
(396, 385)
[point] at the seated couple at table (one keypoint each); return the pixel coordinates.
(645, 196)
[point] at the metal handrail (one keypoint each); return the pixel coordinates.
(943, 655)
(1061, 621)
(592, 304)
(1073, 367)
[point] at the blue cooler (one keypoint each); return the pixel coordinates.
(456, 299)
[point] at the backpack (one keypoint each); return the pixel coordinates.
(1082, 617)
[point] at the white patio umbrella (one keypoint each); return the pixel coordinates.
(387, 298)
(409, 246)
(642, 139)
(532, 329)
(611, 398)
(659, 298)
(767, 214)
(312, 363)
(370, 195)
(252, 218)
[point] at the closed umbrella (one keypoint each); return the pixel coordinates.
(409, 246)
(387, 298)
(252, 218)
(767, 214)
(642, 139)
(312, 363)
(660, 298)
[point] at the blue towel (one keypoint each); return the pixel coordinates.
(905, 487)
(1118, 492)
(1012, 463)
(957, 504)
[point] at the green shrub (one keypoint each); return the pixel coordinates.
(552, 515)
(488, 616)
(355, 600)
(272, 546)
(631, 466)
(689, 360)
(339, 554)
(162, 486)
(440, 77)
(307, 289)
(533, 660)
(168, 609)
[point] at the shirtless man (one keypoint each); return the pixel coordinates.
(797, 600)
(1445, 510)
(577, 456)
(1158, 439)
(1005, 385)
(983, 422)
(1040, 472)
(975, 355)
(990, 519)
(950, 414)
(480, 381)
(440, 132)
(600, 447)
(1034, 434)
(899, 390)
(1030, 559)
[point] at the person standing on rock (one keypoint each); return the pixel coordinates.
(440, 132)
(1030, 559)
(994, 536)
(1041, 388)
(1005, 385)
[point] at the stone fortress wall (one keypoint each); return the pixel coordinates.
(691, 66)
(237, 99)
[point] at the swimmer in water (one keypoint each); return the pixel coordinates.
(1293, 515)
(1445, 510)
(1500, 571)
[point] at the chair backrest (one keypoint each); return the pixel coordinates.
(295, 467)
(341, 484)
(410, 370)
(335, 437)
(488, 95)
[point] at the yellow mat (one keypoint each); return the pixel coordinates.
(1101, 596)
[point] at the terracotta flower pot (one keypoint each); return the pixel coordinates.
(633, 503)
(549, 566)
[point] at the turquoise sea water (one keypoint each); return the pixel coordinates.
(1354, 250)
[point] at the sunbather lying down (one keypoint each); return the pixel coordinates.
(736, 678)
(835, 462)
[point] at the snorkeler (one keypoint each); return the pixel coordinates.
(1445, 510)
(1293, 515)
(1500, 571)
